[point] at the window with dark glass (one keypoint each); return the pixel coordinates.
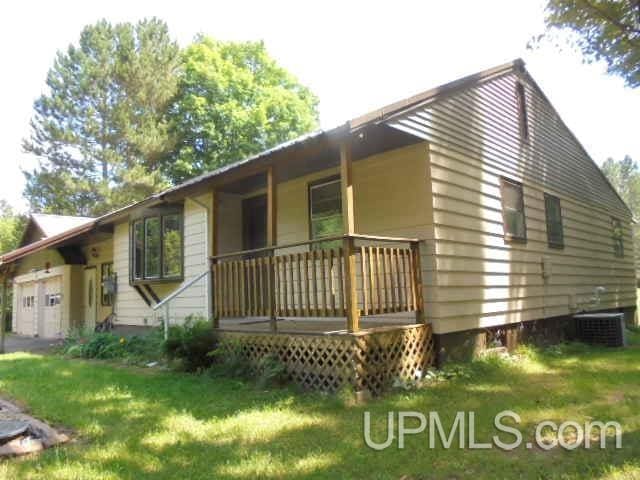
(152, 241)
(553, 213)
(325, 212)
(523, 120)
(138, 249)
(157, 248)
(106, 275)
(171, 246)
(513, 219)
(617, 234)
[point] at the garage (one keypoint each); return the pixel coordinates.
(44, 301)
(39, 308)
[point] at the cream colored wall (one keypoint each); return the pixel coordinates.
(483, 281)
(130, 308)
(38, 261)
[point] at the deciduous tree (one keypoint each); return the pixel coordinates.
(234, 101)
(607, 30)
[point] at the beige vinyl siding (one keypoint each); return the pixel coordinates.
(130, 308)
(38, 261)
(194, 300)
(482, 280)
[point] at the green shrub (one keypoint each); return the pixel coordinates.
(229, 361)
(103, 346)
(271, 371)
(85, 343)
(191, 344)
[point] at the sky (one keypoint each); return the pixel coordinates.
(356, 56)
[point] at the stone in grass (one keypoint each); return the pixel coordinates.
(21, 434)
(21, 446)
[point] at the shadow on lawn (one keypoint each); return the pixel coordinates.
(173, 425)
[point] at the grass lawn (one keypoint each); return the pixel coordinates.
(135, 424)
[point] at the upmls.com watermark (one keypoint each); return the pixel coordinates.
(548, 434)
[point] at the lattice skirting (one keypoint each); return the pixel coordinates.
(368, 360)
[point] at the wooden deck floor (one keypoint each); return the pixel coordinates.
(312, 325)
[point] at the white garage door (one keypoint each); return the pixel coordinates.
(50, 312)
(25, 319)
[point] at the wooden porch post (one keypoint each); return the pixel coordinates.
(214, 252)
(348, 220)
(417, 280)
(272, 236)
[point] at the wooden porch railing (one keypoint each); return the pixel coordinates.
(306, 282)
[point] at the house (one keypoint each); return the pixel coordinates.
(463, 215)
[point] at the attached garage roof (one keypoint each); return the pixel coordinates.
(55, 224)
(47, 242)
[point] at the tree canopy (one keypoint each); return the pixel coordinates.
(11, 227)
(624, 175)
(234, 101)
(607, 30)
(103, 127)
(127, 113)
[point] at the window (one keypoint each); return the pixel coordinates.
(152, 241)
(138, 249)
(553, 213)
(52, 299)
(513, 220)
(171, 246)
(106, 276)
(521, 99)
(617, 234)
(157, 248)
(325, 211)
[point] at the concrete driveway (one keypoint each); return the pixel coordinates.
(17, 343)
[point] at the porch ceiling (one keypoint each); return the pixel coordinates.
(321, 156)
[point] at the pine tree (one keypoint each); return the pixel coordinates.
(102, 130)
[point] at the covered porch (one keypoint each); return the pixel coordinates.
(333, 279)
(340, 308)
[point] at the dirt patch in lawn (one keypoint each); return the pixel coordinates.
(22, 434)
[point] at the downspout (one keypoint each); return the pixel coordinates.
(207, 246)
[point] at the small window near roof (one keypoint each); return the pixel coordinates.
(523, 119)
(553, 213)
(617, 234)
(513, 220)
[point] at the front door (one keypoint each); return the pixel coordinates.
(89, 298)
(254, 222)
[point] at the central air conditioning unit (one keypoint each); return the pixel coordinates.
(601, 329)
